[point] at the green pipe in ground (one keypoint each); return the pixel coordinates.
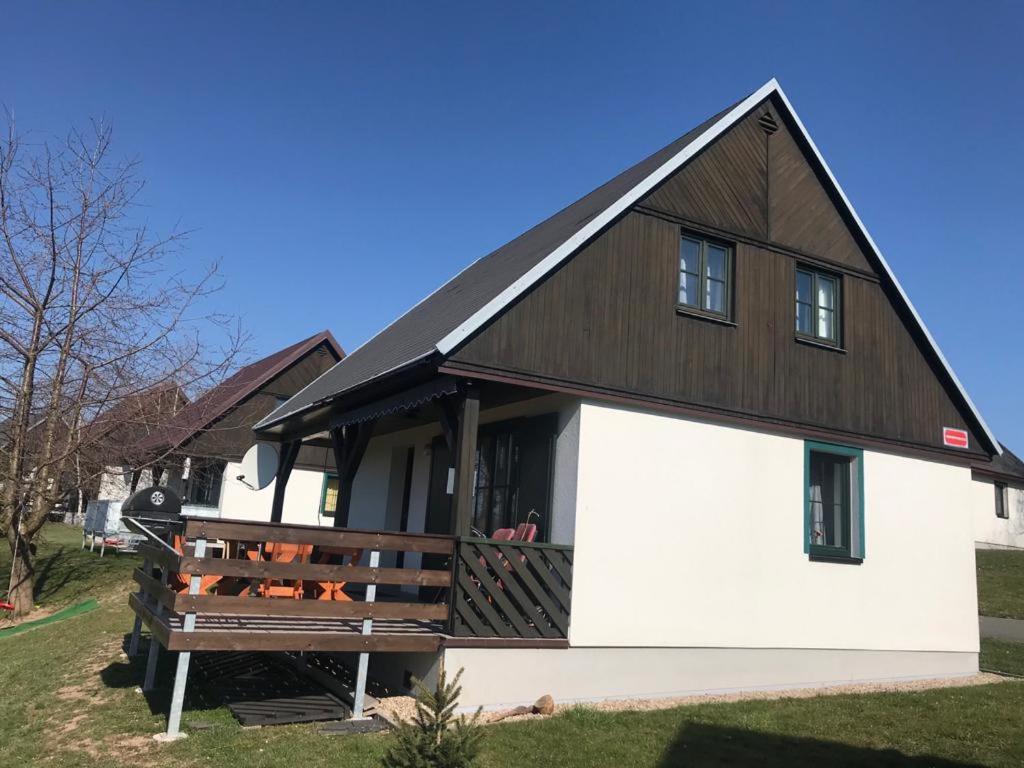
(66, 613)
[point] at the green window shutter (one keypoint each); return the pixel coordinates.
(855, 536)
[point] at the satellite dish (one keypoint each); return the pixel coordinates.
(259, 466)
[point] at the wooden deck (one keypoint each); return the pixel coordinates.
(504, 594)
(215, 632)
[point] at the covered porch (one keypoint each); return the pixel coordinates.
(430, 567)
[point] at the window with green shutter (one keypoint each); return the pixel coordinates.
(833, 502)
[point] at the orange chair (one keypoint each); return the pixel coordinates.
(180, 582)
(280, 552)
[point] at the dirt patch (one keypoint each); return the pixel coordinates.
(77, 693)
(71, 725)
(402, 708)
(85, 692)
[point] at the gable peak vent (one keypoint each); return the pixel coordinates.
(767, 123)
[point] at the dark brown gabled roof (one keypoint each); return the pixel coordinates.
(414, 336)
(218, 401)
(1007, 467)
(436, 326)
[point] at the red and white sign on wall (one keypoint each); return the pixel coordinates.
(954, 438)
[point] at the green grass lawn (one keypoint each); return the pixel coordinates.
(1000, 583)
(68, 698)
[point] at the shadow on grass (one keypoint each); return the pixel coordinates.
(65, 573)
(199, 697)
(700, 744)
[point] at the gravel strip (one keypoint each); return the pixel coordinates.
(402, 708)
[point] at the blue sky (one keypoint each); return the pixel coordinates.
(342, 160)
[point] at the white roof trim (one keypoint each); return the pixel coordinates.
(470, 326)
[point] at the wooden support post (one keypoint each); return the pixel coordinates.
(465, 463)
(449, 413)
(154, 646)
(133, 644)
(184, 657)
(364, 657)
(349, 443)
(289, 453)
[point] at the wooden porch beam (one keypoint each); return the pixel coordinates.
(465, 460)
(449, 413)
(349, 443)
(289, 453)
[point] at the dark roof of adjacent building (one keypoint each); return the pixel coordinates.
(216, 402)
(138, 414)
(1007, 466)
(462, 306)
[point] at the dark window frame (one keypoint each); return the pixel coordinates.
(853, 549)
(729, 283)
(204, 485)
(815, 273)
(1002, 506)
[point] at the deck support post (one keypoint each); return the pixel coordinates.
(133, 644)
(465, 463)
(154, 646)
(289, 453)
(184, 657)
(364, 658)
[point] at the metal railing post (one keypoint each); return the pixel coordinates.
(188, 625)
(364, 657)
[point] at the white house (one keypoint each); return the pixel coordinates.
(749, 463)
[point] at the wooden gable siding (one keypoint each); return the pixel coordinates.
(232, 435)
(760, 186)
(802, 215)
(607, 322)
(725, 186)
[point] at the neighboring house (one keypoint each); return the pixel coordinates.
(197, 452)
(998, 506)
(747, 458)
(109, 446)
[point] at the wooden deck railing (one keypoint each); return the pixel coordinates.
(511, 589)
(483, 588)
(190, 597)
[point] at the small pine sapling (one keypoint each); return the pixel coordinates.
(436, 738)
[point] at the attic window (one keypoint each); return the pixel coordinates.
(767, 123)
(818, 305)
(705, 277)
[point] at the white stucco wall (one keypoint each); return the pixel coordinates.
(301, 499)
(698, 530)
(997, 532)
(115, 483)
(566, 476)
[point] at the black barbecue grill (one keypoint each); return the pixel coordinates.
(155, 510)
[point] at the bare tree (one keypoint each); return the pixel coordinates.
(94, 311)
